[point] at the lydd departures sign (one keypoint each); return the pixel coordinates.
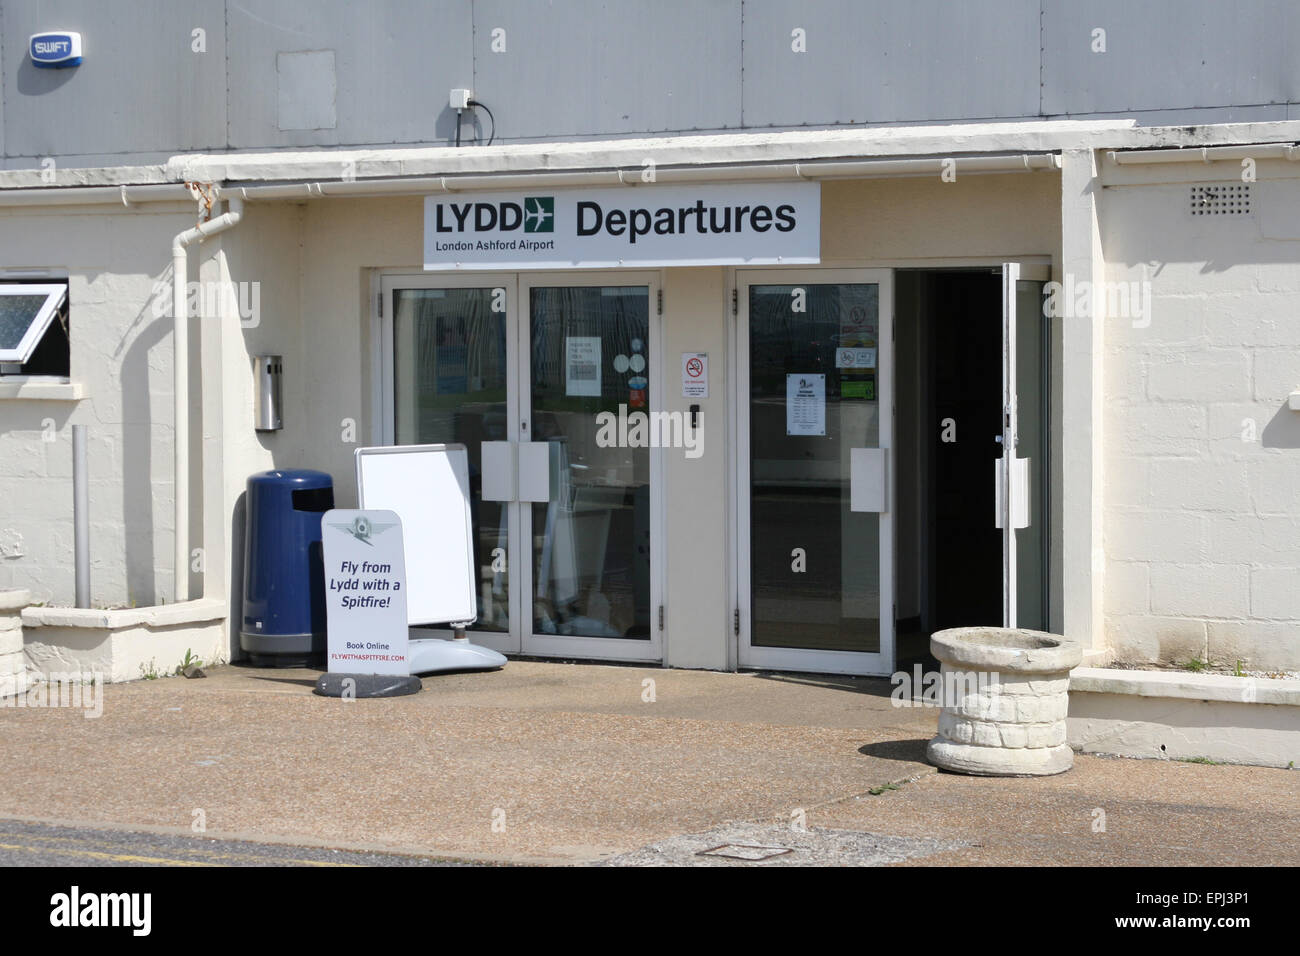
(722, 224)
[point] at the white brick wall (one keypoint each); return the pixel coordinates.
(13, 667)
(1202, 495)
(121, 354)
(1128, 590)
(1201, 590)
(1200, 376)
(1275, 593)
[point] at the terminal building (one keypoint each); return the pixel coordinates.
(839, 324)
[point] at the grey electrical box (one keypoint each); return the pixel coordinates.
(267, 372)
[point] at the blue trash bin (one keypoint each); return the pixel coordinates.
(283, 622)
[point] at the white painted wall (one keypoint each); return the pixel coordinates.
(1202, 463)
(328, 379)
(697, 607)
(121, 353)
(314, 263)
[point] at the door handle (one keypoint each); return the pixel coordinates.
(534, 471)
(497, 461)
(869, 479)
(1018, 479)
(516, 471)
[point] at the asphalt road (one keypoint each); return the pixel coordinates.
(38, 844)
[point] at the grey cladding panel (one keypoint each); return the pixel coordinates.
(582, 67)
(884, 62)
(141, 86)
(306, 88)
(1169, 55)
(394, 63)
(4, 84)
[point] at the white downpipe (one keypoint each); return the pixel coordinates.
(181, 368)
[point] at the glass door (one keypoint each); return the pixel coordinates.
(588, 372)
(814, 476)
(1021, 490)
(450, 351)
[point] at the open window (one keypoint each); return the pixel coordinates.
(34, 329)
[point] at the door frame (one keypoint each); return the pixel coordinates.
(563, 645)
(520, 639)
(1014, 272)
(798, 659)
(504, 642)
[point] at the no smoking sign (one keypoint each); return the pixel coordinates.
(695, 375)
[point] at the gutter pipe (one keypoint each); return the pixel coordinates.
(181, 368)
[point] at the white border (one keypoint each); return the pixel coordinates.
(798, 659)
(598, 648)
(54, 296)
(519, 638)
(442, 449)
(504, 642)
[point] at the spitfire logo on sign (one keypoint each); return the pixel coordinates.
(55, 50)
(362, 528)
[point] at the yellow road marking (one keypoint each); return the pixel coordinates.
(215, 859)
(117, 857)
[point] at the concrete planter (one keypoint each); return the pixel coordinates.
(13, 668)
(123, 644)
(1005, 697)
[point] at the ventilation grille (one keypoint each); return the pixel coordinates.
(1220, 200)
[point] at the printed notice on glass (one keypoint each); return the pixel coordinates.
(805, 404)
(582, 365)
(855, 358)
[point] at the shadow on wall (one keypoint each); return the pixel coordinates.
(138, 423)
(1283, 429)
(33, 80)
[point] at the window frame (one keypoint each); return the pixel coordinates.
(56, 293)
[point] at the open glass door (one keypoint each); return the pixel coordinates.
(450, 349)
(1021, 485)
(589, 501)
(814, 475)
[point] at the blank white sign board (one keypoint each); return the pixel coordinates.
(428, 487)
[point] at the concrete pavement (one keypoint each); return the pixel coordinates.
(561, 763)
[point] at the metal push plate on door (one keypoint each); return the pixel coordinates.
(498, 462)
(1019, 493)
(869, 479)
(534, 471)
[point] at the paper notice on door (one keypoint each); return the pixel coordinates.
(805, 404)
(582, 365)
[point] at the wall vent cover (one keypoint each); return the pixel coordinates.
(1220, 199)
